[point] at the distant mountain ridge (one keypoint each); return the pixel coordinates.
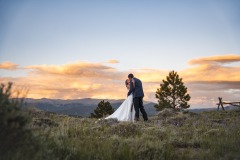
(78, 107)
(84, 107)
(197, 110)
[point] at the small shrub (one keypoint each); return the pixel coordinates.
(166, 113)
(125, 129)
(177, 120)
(107, 122)
(44, 122)
(17, 141)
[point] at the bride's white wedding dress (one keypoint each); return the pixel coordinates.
(125, 112)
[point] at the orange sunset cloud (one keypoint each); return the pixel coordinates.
(82, 69)
(216, 59)
(8, 66)
(113, 61)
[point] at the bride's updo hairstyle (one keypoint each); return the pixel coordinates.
(126, 82)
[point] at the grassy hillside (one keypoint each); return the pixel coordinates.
(169, 135)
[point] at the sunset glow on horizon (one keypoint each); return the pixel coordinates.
(78, 80)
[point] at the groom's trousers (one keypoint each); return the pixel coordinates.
(138, 104)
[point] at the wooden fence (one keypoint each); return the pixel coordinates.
(221, 103)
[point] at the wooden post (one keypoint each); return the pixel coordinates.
(220, 103)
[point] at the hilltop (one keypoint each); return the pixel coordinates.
(168, 135)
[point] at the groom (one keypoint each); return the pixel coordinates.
(137, 90)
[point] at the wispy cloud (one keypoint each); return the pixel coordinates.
(80, 69)
(216, 59)
(113, 61)
(8, 66)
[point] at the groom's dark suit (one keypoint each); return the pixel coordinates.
(138, 95)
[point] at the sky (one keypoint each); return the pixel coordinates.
(85, 49)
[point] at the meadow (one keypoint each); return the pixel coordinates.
(169, 135)
(31, 134)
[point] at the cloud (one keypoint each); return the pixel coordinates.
(214, 85)
(113, 61)
(64, 87)
(150, 75)
(211, 72)
(206, 81)
(8, 66)
(79, 69)
(216, 59)
(72, 81)
(212, 69)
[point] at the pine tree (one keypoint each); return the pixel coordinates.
(103, 109)
(172, 93)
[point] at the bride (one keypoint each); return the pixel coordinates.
(126, 110)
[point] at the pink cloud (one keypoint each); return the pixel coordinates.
(216, 59)
(8, 66)
(113, 61)
(81, 69)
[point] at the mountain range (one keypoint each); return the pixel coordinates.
(78, 107)
(84, 107)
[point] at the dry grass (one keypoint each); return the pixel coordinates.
(169, 135)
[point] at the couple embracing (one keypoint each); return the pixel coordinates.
(129, 109)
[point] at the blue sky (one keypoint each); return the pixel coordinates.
(140, 34)
(156, 35)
